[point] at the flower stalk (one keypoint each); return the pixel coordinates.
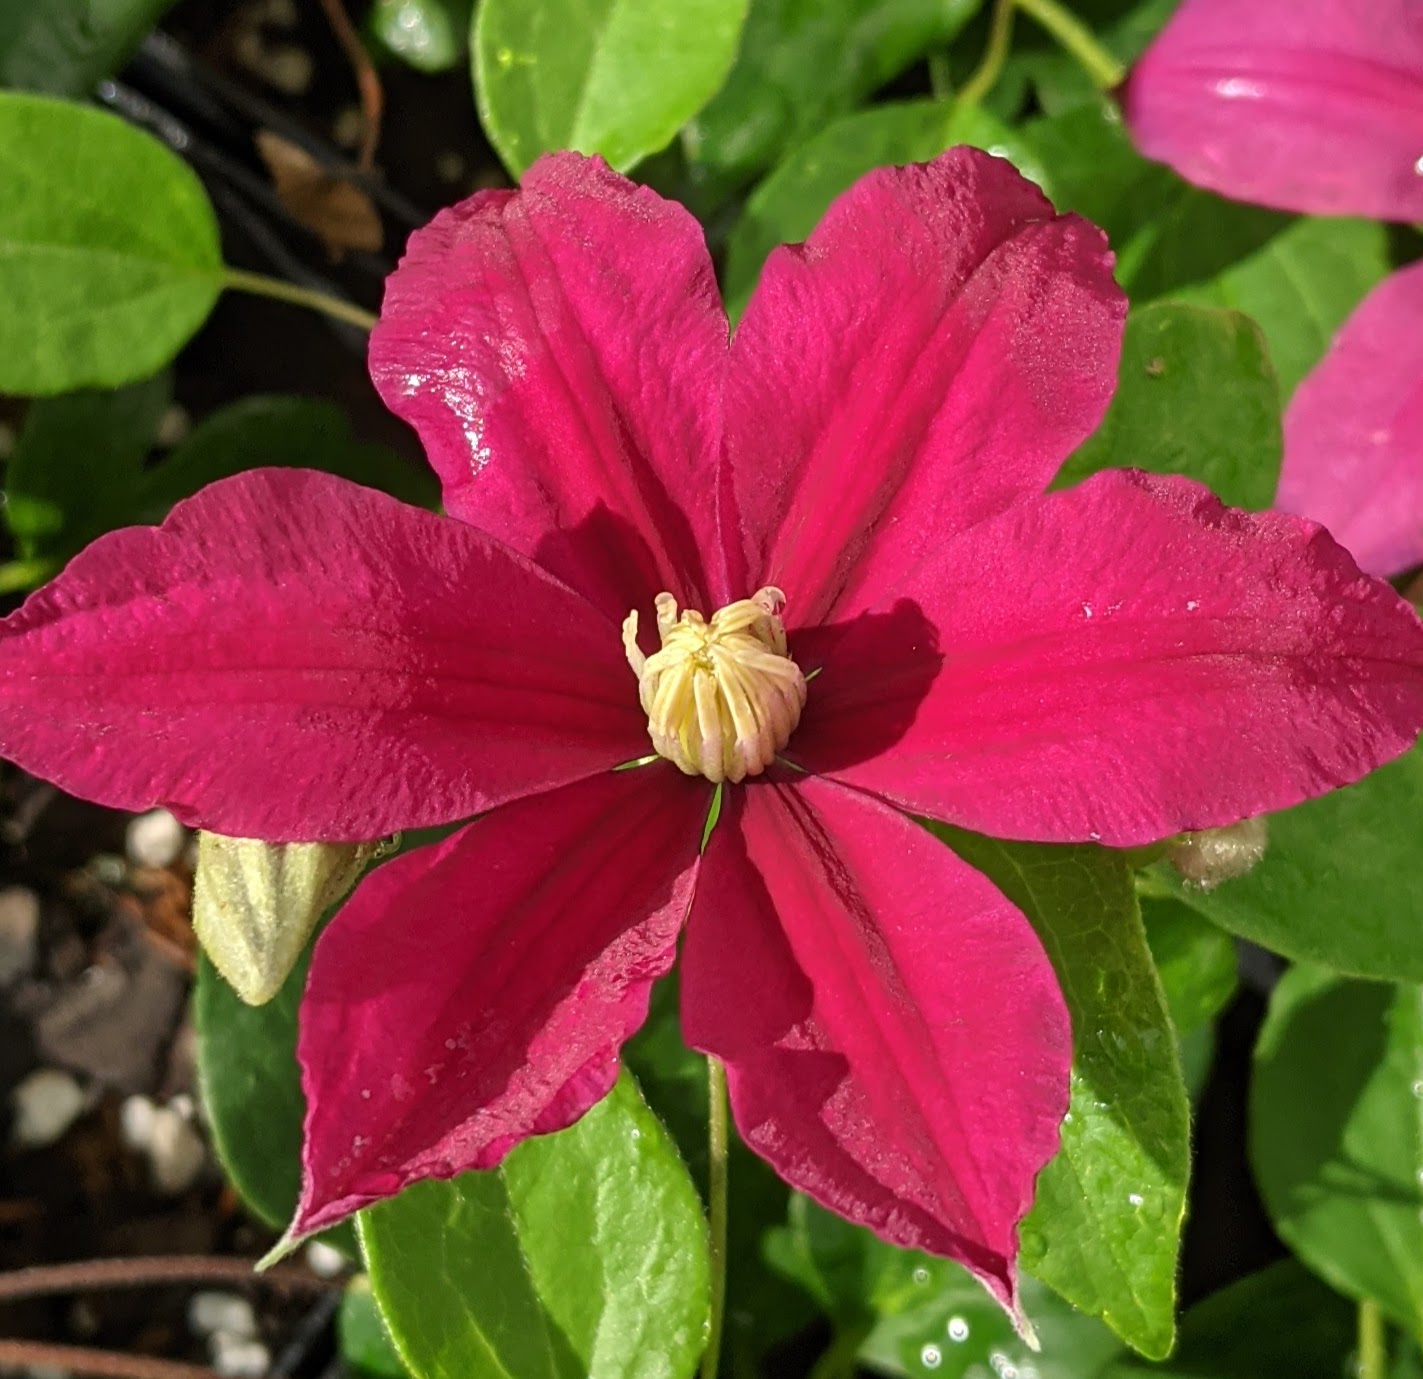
(260, 285)
(718, 1121)
(1069, 32)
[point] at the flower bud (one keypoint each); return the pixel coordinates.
(1213, 855)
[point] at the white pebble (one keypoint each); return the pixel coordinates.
(176, 1153)
(238, 1356)
(325, 1261)
(229, 1313)
(46, 1104)
(19, 932)
(155, 839)
(136, 1118)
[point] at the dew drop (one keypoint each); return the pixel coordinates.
(931, 1357)
(1418, 166)
(636, 1133)
(921, 1275)
(365, 1093)
(958, 1329)
(1086, 610)
(1418, 1089)
(1192, 605)
(1135, 1199)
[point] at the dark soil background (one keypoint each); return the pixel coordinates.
(96, 954)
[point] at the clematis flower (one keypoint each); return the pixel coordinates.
(1304, 105)
(1316, 106)
(815, 563)
(1354, 431)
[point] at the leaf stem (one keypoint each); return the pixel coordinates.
(995, 54)
(1078, 40)
(259, 284)
(146, 1271)
(101, 1364)
(718, 1120)
(1070, 33)
(1373, 1344)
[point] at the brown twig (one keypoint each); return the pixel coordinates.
(103, 1364)
(146, 1271)
(367, 80)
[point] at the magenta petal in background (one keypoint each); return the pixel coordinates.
(475, 992)
(560, 349)
(1307, 105)
(1121, 661)
(931, 354)
(895, 1039)
(294, 657)
(1354, 431)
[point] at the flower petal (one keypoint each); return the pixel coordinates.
(895, 1040)
(1306, 105)
(1354, 431)
(295, 658)
(560, 350)
(929, 356)
(476, 992)
(1119, 662)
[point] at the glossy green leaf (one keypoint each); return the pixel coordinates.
(1194, 959)
(251, 1088)
(761, 1308)
(905, 1313)
(615, 77)
(1106, 1226)
(109, 254)
(786, 206)
(1167, 234)
(1300, 285)
(804, 62)
(585, 1254)
(1342, 880)
(282, 431)
(1281, 1323)
(429, 35)
(1336, 1118)
(63, 47)
(77, 464)
(366, 1347)
(1196, 395)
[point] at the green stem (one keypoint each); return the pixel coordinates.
(1073, 35)
(1373, 1345)
(262, 286)
(717, 1126)
(837, 1361)
(17, 576)
(1000, 39)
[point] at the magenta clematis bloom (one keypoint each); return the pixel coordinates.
(1305, 105)
(1354, 431)
(815, 561)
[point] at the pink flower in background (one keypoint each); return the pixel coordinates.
(1316, 106)
(1305, 105)
(852, 485)
(1354, 431)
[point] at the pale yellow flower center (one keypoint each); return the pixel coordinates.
(721, 697)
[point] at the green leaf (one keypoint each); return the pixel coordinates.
(76, 466)
(63, 47)
(586, 1253)
(786, 206)
(1300, 285)
(109, 253)
(804, 63)
(615, 77)
(1279, 1322)
(1341, 883)
(1196, 396)
(905, 1313)
(429, 35)
(282, 431)
(365, 1344)
(251, 1088)
(1336, 1119)
(1106, 1227)
(761, 1308)
(1195, 960)
(1167, 234)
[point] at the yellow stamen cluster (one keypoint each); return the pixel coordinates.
(721, 697)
